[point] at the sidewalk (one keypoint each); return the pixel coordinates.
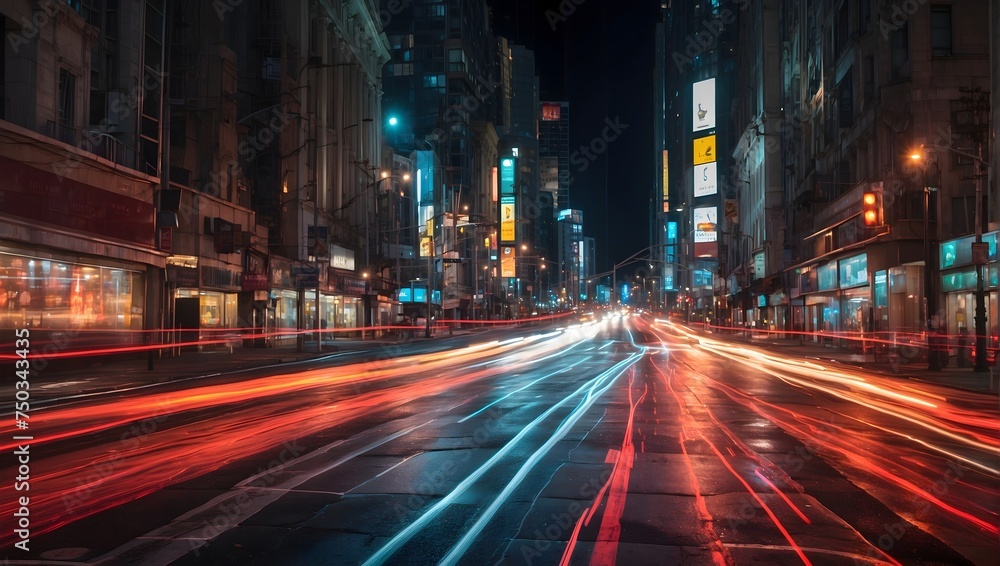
(951, 376)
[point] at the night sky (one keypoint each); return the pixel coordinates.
(600, 59)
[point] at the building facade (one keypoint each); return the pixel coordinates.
(571, 257)
(887, 105)
(81, 110)
(284, 152)
(695, 140)
(443, 75)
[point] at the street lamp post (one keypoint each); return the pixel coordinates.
(933, 363)
(371, 187)
(399, 229)
(980, 314)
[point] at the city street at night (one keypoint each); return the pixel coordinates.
(616, 439)
(499, 282)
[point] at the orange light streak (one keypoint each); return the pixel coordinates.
(260, 415)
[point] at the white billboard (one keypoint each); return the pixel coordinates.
(703, 105)
(705, 179)
(705, 219)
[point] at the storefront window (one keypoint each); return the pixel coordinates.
(212, 307)
(826, 276)
(231, 313)
(329, 311)
(217, 310)
(831, 316)
(60, 295)
(906, 298)
(348, 312)
(285, 310)
(854, 271)
(309, 310)
(857, 311)
(881, 297)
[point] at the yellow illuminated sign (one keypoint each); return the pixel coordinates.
(425, 246)
(704, 150)
(666, 183)
(508, 219)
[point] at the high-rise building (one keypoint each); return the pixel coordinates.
(756, 234)
(696, 45)
(553, 151)
(519, 139)
(442, 77)
(571, 256)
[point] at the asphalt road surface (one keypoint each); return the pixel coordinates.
(622, 440)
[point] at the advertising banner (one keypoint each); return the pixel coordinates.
(508, 219)
(666, 181)
(705, 180)
(342, 258)
(704, 150)
(507, 177)
(705, 219)
(703, 101)
(507, 261)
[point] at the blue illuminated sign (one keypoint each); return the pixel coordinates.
(507, 165)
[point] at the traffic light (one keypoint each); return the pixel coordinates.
(871, 208)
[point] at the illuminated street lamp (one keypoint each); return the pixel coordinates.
(980, 316)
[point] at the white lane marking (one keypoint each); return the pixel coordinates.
(519, 389)
(182, 544)
(383, 554)
(568, 423)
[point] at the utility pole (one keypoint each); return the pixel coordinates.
(978, 100)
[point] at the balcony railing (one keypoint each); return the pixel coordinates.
(110, 148)
(62, 132)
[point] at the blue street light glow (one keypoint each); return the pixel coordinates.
(393, 121)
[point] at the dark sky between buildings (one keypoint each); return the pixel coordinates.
(599, 57)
